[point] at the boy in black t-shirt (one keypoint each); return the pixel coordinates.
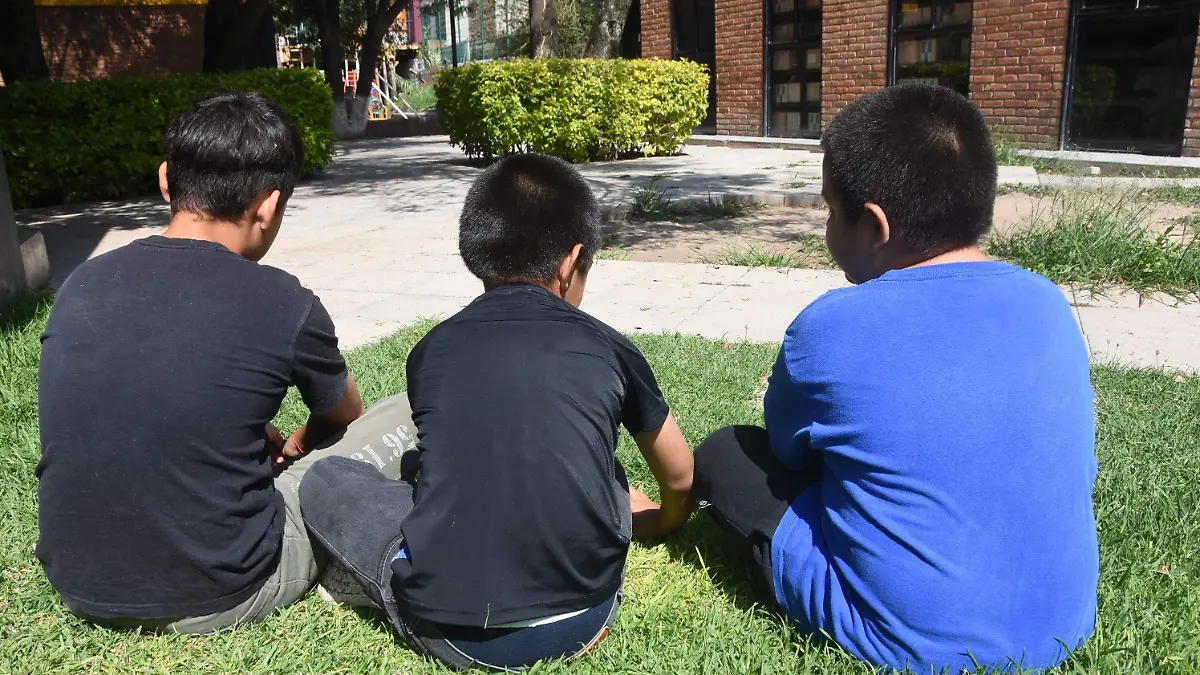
(166, 499)
(510, 547)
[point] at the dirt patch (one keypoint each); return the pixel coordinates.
(786, 231)
(1014, 210)
(699, 239)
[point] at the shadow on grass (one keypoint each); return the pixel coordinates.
(703, 545)
(24, 311)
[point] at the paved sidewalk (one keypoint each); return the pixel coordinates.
(376, 238)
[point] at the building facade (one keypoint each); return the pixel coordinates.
(1106, 75)
(98, 39)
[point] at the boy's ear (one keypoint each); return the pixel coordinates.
(268, 210)
(878, 221)
(567, 267)
(162, 182)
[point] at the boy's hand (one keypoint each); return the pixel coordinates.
(646, 512)
(281, 450)
(667, 454)
(275, 444)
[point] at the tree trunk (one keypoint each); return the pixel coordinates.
(326, 13)
(377, 26)
(543, 28)
(230, 30)
(21, 55)
(605, 40)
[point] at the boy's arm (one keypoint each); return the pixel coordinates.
(321, 425)
(326, 385)
(788, 416)
(670, 460)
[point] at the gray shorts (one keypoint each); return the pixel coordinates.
(380, 437)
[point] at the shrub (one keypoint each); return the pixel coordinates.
(578, 109)
(77, 141)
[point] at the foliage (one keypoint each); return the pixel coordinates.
(578, 109)
(1009, 153)
(77, 141)
(419, 96)
(651, 203)
(809, 252)
(1102, 238)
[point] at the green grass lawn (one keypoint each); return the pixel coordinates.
(688, 606)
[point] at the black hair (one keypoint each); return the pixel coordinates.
(227, 149)
(924, 155)
(523, 215)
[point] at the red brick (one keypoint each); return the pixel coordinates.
(88, 43)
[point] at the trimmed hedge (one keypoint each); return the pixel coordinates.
(578, 109)
(78, 141)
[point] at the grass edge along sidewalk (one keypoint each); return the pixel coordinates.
(688, 608)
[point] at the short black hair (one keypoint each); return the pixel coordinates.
(523, 215)
(924, 155)
(228, 148)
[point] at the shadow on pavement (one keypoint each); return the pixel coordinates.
(397, 177)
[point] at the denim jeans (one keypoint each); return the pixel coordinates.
(354, 512)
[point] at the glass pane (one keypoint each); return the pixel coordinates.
(812, 4)
(812, 58)
(1131, 81)
(955, 14)
(916, 13)
(810, 24)
(685, 26)
(812, 92)
(943, 60)
(784, 32)
(786, 123)
(782, 6)
(908, 52)
(786, 59)
(789, 92)
(814, 122)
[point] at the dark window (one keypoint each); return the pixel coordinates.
(1131, 70)
(794, 68)
(931, 43)
(631, 37)
(693, 23)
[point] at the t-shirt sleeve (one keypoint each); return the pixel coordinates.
(644, 408)
(318, 369)
(791, 405)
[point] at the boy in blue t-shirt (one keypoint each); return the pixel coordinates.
(922, 492)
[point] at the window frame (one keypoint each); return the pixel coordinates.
(896, 33)
(800, 41)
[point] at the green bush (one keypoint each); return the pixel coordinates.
(578, 109)
(77, 141)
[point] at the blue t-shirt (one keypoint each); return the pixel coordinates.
(951, 407)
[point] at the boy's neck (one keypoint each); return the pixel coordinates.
(959, 255)
(189, 225)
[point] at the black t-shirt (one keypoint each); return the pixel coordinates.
(162, 363)
(522, 510)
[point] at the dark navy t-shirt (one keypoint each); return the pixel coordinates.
(522, 509)
(162, 363)
(951, 408)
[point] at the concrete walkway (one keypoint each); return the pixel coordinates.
(376, 238)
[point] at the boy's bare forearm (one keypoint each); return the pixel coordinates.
(670, 460)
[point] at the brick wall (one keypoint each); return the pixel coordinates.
(739, 67)
(1191, 132)
(87, 43)
(1018, 66)
(656, 29)
(854, 58)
